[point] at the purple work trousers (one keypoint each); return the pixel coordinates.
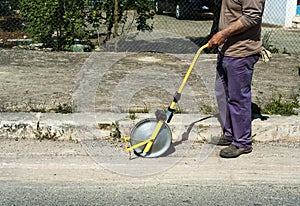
(233, 93)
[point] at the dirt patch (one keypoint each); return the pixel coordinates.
(33, 80)
(44, 81)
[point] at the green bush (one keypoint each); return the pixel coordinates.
(58, 23)
(55, 23)
(113, 15)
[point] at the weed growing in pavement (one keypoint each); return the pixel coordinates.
(132, 116)
(297, 69)
(48, 134)
(277, 106)
(114, 137)
(114, 131)
(29, 106)
(132, 112)
(139, 110)
(104, 126)
(63, 108)
(207, 109)
(35, 107)
(267, 43)
(178, 110)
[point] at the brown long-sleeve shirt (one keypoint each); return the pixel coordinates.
(247, 42)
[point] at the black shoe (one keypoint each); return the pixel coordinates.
(221, 141)
(233, 151)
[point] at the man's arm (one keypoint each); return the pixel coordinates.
(251, 15)
(221, 36)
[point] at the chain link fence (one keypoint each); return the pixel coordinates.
(131, 26)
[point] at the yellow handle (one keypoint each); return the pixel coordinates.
(160, 123)
(127, 149)
(187, 75)
(147, 142)
(153, 136)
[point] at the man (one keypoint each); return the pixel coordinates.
(239, 45)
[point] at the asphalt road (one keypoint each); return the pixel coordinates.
(147, 194)
(65, 173)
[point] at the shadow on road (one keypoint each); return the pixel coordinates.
(256, 114)
(185, 136)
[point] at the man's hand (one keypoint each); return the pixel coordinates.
(218, 39)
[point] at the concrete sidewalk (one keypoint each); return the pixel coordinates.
(87, 126)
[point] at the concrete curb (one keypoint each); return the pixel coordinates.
(87, 126)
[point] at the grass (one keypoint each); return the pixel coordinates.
(132, 116)
(114, 131)
(132, 112)
(139, 110)
(280, 107)
(267, 43)
(297, 69)
(63, 108)
(45, 134)
(207, 109)
(37, 108)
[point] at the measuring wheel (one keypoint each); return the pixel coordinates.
(143, 131)
(152, 137)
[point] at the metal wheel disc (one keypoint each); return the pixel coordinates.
(143, 131)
